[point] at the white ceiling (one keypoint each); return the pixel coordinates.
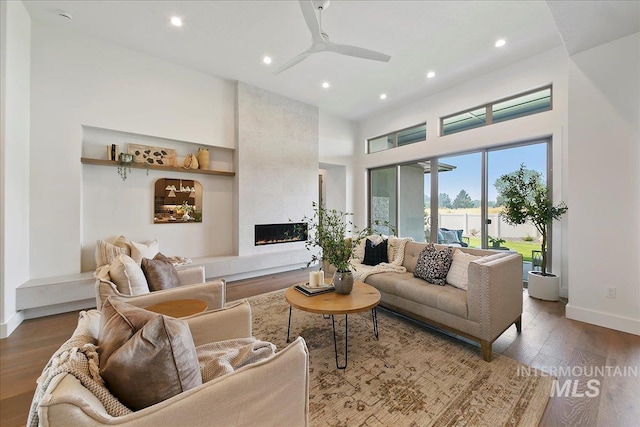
(453, 38)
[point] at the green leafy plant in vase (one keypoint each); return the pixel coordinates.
(496, 242)
(526, 199)
(332, 239)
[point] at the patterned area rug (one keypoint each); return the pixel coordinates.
(411, 376)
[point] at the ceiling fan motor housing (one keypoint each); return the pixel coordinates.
(321, 4)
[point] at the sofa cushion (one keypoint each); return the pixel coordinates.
(433, 264)
(387, 282)
(160, 273)
(458, 274)
(128, 277)
(445, 298)
(148, 357)
(144, 250)
(374, 253)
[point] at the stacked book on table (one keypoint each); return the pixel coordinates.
(313, 290)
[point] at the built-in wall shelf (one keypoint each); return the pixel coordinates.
(100, 162)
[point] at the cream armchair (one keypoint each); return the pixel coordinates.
(273, 392)
(193, 287)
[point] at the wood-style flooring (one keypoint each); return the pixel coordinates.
(548, 340)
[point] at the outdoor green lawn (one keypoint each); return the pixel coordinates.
(523, 248)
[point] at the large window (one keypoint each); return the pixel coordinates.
(397, 139)
(532, 102)
(460, 203)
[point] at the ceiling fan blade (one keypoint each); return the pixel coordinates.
(296, 59)
(309, 13)
(359, 52)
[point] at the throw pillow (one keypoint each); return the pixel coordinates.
(106, 252)
(123, 244)
(128, 277)
(450, 236)
(375, 254)
(151, 357)
(144, 250)
(433, 264)
(160, 273)
(458, 274)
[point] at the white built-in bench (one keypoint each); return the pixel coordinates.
(60, 294)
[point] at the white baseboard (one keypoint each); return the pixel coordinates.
(607, 320)
(10, 325)
(32, 313)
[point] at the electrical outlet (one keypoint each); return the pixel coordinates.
(611, 291)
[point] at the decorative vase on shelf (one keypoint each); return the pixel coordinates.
(203, 158)
(343, 282)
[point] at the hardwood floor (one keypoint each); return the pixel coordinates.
(548, 341)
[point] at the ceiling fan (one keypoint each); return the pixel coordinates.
(320, 40)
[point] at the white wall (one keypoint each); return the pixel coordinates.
(604, 184)
(277, 163)
(80, 81)
(540, 70)
(15, 58)
(336, 153)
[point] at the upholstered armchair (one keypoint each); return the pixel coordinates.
(271, 392)
(193, 286)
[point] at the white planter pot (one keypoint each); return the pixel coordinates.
(544, 287)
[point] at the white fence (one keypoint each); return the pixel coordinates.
(498, 228)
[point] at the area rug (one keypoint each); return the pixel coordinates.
(410, 376)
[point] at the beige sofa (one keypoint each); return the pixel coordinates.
(492, 303)
(272, 392)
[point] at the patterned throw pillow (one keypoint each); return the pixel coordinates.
(433, 265)
(375, 254)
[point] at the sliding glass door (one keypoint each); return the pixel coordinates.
(460, 204)
(383, 198)
(460, 200)
(522, 238)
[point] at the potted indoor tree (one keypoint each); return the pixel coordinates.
(526, 198)
(332, 239)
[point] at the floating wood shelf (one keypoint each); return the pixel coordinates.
(99, 162)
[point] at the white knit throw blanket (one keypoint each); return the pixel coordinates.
(224, 357)
(362, 271)
(78, 357)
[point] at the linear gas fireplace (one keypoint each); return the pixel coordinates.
(269, 234)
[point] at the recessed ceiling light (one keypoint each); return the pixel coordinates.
(176, 21)
(65, 14)
(431, 74)
(501, 42)
(383, 96)
(266, 60)
(326, 85)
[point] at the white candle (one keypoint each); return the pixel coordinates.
(321, 278)
(313, 279)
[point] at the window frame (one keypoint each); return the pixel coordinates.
(488, 108)
(394, 134)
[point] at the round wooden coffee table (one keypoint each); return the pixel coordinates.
(363, 297)
(179, 307)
